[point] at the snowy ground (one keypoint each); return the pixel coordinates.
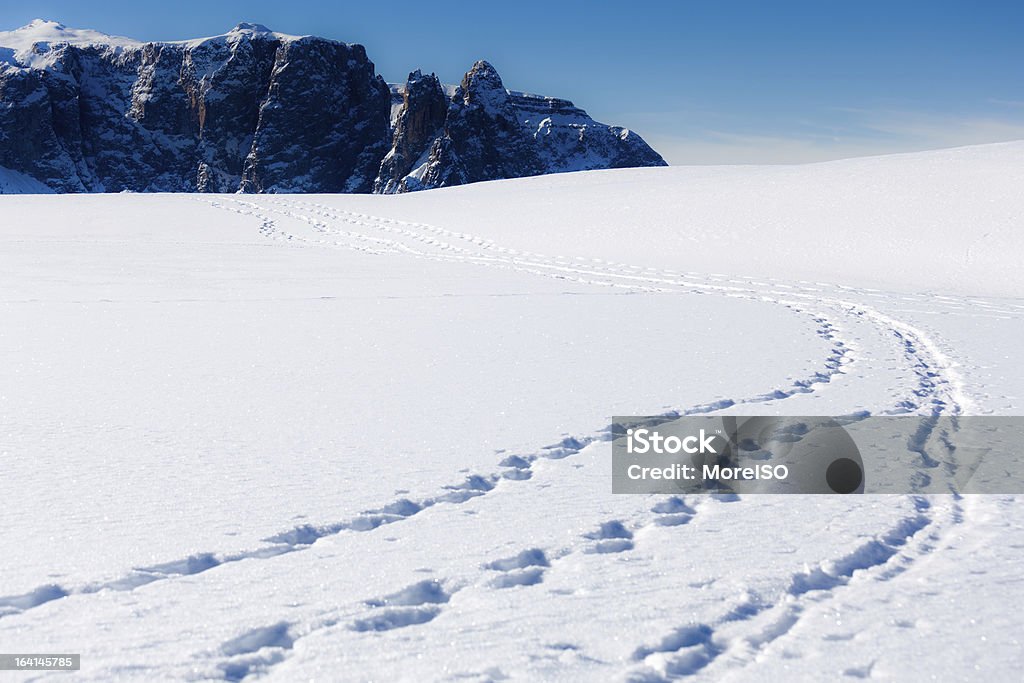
(361, 438)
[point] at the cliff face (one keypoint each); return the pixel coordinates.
(258, 111)
(323, 124)
(251, 110)
(489, 133)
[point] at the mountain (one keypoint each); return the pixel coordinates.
(254, 110)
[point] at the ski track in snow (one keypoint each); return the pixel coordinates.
(719, 646)
(512, 467)
(692, 648)
(939, 389)
(725, 646)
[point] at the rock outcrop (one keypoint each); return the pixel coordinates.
(420, 121)
(489, 133)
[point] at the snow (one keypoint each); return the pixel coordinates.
(29, 44)
(936, 222)
(239, 31)
(362, 437)
(13, 182)
(44, 31)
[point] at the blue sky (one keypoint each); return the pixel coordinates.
(703, 82)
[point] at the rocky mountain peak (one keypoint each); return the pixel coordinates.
(482, 86)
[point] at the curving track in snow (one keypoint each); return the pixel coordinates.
(725, 645)
(529, 548)
(937, 388)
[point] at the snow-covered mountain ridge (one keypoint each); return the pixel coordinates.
(260, 111)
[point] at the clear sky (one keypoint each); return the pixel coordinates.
(724, 81)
